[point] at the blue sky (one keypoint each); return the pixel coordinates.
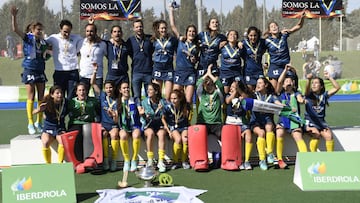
(227, 5)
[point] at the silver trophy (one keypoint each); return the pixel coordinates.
(147, 174)
(174, 4)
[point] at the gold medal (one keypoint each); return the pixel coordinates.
(163, 45)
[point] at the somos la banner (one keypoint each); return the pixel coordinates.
(313, 8)
(110, 9)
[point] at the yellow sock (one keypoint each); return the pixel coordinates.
(261, 144)
(248, 149)
(40, 114)
(61, 153)
(150, 155)
(114, 148)
(176, 152)
(105, 144)
(161, 153)
(136, 148)
(46, 154)
(301, 146)
(313, 145)
(279, 147)
(124, 145)
(185, 151)
(29, 110)
(329, 145)
(270, 140)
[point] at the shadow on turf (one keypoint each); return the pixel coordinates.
(85, 196)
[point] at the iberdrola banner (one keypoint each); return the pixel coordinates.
(110, 9)
(313, 8)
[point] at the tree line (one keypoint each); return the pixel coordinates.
(240, 18)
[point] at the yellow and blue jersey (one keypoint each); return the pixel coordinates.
(230, 62)
(34, 53)
(107, 102)
(252, 54)
(210, 49)
(164, 50)
(185, 50)
(278, 49)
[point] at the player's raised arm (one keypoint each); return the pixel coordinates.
(14, 25)
(172, 22)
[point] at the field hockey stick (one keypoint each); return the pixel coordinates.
(123, 183)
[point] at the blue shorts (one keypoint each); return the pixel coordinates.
(52, 129)
(180, 129)
(162, 75)
(275, 71)
(132, 128)
(245, 127)
(155, 126)
(202, 70)
(185, 78)
(228, 81)
(309, 123)
(261, 121)
(288, 129)
(109, 126)
(252, 79)
(32, 77)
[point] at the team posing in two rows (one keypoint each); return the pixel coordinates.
(152, 63)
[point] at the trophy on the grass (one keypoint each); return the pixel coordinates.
(147, 174)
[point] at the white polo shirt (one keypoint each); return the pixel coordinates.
(90, 53)
(65, 51)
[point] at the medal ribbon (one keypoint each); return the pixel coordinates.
(117, 53)
(59, 111)
(177, 115)
(110, 104)
(163, 45)
(207, 40)
(259, 97)
(254, 51)
(189, 47)
(140, 43)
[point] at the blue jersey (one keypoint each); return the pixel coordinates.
(117, 59)
(210, 49)
(318, 106)
(175, 117)
(56, 119)
(34, 58)
(107, 102)
(185, 51)
(141, 51)
(230, 61)
(252, 54)
(164, 50)
(278, 49)
(129, 118)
